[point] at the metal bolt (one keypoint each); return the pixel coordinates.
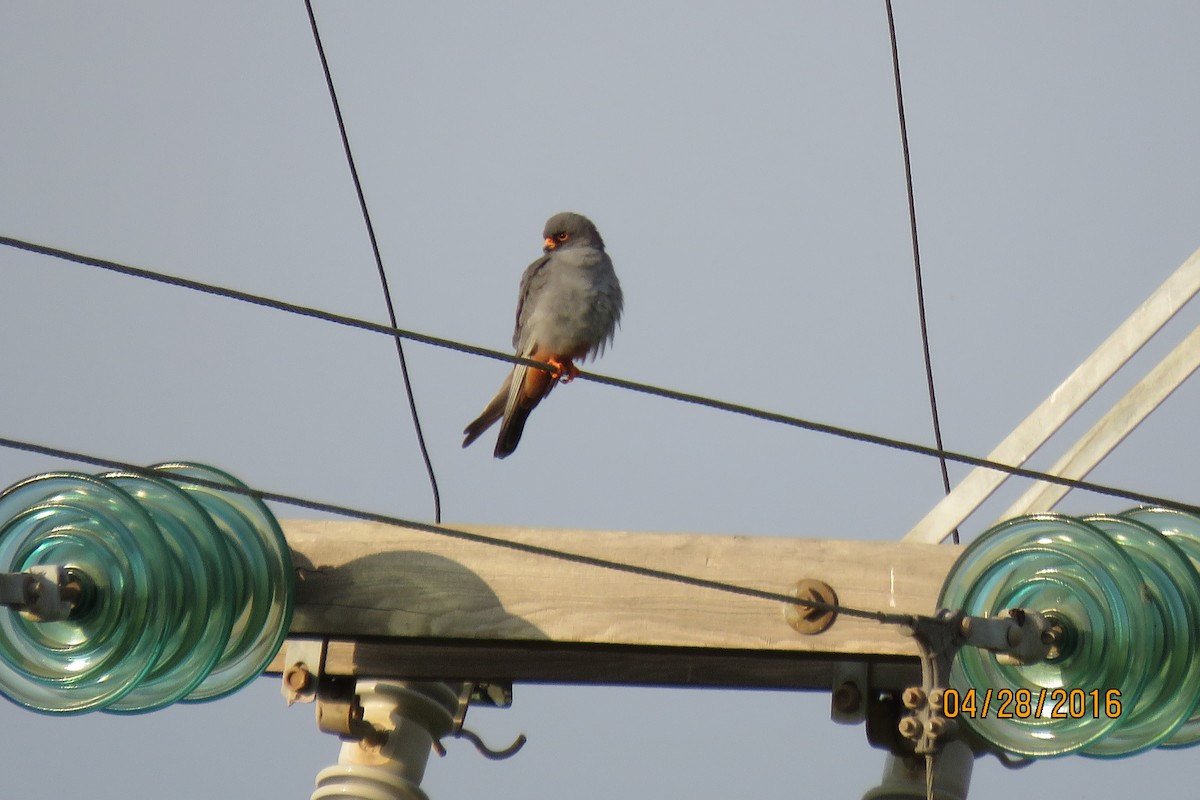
(847, 698)
(1053, 638)
(298, 678)
(936, 727)
(807, 618)
(72, 589)
(913, 697)
(935, 699)
(910, 728)
(965, 626)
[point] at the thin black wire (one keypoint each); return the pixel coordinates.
(466, 536)
(267, 302)
(383, 280)
(916, 250)
(895, 444)
(670, 394)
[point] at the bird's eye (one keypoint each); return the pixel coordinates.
(562, 237)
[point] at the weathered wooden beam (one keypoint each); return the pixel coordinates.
(397, 602)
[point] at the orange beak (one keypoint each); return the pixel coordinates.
(549, 245)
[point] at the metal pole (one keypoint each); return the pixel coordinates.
(403, 719)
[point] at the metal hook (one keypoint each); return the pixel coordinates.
(484, 750)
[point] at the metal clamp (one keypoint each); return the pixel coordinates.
(497, 695)
(46, 593)
(938, 640)
(1018, 636)
(304, 665)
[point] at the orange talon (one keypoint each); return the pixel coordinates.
(564, 370)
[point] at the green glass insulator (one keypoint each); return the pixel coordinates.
(262, 570)
(1171, 594)
(201, 592)
(1077, 575)
(115, 637)
(1183, 530)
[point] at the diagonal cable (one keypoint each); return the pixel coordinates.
(383, 280)
(916, 250)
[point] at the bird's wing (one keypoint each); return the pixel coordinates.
(607, 304)
(531, 283)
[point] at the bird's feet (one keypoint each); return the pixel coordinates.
(564, 370)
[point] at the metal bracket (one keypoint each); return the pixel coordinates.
(492, 694)
(1018, 636)
(338, 708)
(497, 695)
(340, 712)
(46, 593)
(304, 666)
(17, 589)
(938, 640)
(848, 701)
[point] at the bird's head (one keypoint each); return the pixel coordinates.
(569, 229)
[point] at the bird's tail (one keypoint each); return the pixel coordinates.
(525, 391)
(493, 412)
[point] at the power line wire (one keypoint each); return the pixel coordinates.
(621, 383)
(886, 441)
(916, 250)
(383, 279)
(267, 302)
(467, 536)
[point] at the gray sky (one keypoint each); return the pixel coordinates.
(743, 165)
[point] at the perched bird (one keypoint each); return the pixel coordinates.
(569, 305)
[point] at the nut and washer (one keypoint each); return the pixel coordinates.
(807, 619)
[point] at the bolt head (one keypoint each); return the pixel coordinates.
(297, 678)
(913, 697)
(805, 618)
(910, 728)
(847, 698)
